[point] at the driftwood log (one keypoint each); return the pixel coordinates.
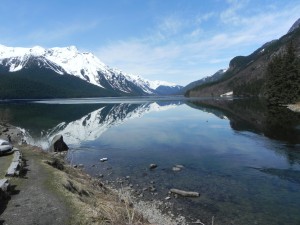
(185, 193)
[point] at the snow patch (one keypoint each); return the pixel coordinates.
(227, 94)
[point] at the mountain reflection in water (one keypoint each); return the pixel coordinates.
(86, 122)
(243, 157)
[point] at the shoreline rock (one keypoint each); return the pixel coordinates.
(58, 144)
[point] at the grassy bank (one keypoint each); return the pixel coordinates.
(87, 199)
(80, 198)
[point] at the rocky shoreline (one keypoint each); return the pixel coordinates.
(148, 193)
(81, 187)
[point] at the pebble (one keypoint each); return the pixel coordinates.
(179, 166)
(176, 169)
(168, 198)
(152, 189)
(152, 166)
(103, 159)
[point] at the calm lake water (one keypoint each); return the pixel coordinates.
(242, 157)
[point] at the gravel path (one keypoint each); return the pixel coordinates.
(32, 202)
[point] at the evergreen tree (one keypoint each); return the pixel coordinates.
(283, 78)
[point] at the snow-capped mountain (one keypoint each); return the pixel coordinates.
(84, 65)
(92, 125)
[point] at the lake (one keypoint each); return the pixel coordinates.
(241, 156)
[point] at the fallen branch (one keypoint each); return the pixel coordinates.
(185, 193)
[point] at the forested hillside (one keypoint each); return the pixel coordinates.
(46, 84)
(283, 78)
(247, 75)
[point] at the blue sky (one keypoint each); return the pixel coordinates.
(174, 40)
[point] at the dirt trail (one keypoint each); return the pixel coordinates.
(32, 201)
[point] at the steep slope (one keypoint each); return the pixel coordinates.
(44, 82)
(215, 77)
(69, 61)
(246, 74)
(295, 26)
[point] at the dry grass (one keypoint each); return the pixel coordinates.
(91, 201)
(5, 162)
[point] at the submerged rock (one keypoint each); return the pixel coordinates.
(179, 166)
(103, 159)
(152, 166)
(152, 189)
(176, 169)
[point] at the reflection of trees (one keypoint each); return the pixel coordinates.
(253, 115)
(286, 174)
(281, 123)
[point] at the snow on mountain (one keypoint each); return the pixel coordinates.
(91, 126)
(155, 84)
(68, 60)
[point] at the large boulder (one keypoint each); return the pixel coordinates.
(58, 144)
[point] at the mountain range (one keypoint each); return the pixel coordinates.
(215, 77)
(65, 72)
(246, 74)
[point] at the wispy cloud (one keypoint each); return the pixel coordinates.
(231, 14)
(170, 25)
(60, 31)
(182, 50)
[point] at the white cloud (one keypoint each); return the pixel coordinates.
(182, 50)
(204, 17)
(170, 25)
(60, 31)
(230, 15)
